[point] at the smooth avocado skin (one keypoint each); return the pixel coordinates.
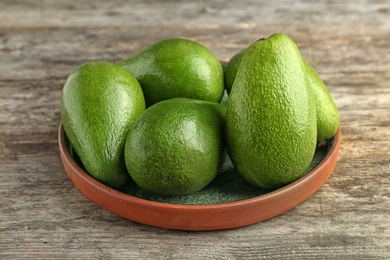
(231, 69)
(271, 116)
(327, 113)
(177, 146)
(177, 68)
(99, 103)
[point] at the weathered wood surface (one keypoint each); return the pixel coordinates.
(43, 215)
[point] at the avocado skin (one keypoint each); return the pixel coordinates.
(327, 113)
(326, 109)
(99, 103)
(271, 116)
(176, 68)
(231, 69)
(177, 146)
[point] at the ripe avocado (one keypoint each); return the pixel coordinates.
(177, 68)
(177, 146)
(326, 110)
(271, 116)
(99, 103)
(231, 69)
(327, 114)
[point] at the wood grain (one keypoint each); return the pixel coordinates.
(42, 214)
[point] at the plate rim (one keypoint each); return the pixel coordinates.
(97, 192)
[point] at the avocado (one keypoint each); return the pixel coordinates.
(271, 116)
(231, 69)
(99, 103)
(326, 110)
(176, 146)
(176, 68)
(327, 114)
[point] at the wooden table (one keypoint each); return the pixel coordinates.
(43, 215)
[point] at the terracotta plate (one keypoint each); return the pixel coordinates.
(220, 206)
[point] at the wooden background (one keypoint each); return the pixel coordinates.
(43, 215)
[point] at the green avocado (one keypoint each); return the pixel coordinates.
(231, 69)
(177, 68)
(271, 116)
(99, 103)
(327, 114)
(177, 146)
(326, 110)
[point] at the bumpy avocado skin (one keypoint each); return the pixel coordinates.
(327, 113)
(326, 109)
(177, 68)
(99, 103)
(177, 146)
(271, 116)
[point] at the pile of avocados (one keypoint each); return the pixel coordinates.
(160, 119)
